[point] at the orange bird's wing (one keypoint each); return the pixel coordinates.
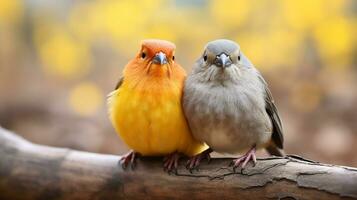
(120, 82)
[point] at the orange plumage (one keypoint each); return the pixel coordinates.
(146, 108)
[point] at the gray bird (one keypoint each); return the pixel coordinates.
(228, 105)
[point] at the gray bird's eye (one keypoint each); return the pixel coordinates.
(205, 58)
(238, 57)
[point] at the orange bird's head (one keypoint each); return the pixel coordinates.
(155, 60)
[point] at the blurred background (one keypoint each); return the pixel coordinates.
(59, 60)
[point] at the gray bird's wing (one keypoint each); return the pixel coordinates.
(272, 111)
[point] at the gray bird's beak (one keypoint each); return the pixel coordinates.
(223, 60)
(160, 58)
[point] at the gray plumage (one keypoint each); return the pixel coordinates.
(228, 104)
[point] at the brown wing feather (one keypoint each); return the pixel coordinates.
(277, 135)
(117, 86)
(114, 93)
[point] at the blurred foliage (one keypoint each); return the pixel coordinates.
(86, 98)
(66, 55)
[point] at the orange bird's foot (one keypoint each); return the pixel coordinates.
(171, 162)
(128, 159)
(195, 161)
(243, 160)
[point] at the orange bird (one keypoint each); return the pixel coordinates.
(145, 107)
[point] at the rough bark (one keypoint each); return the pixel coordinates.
(30, 171)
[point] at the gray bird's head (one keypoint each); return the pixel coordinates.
(222, 60)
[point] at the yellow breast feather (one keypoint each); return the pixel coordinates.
(151, 120)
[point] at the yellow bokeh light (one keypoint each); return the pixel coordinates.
(63, 56)
(10, 11)
(305, 14)
(115, 21)
(162, 32)
(335, 40)
(230, 12)
(86, 98)
(272, 34)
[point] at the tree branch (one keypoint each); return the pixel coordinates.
(30, 171)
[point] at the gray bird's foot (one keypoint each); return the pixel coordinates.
(195, 161)
(128, 159)
(171, 162)
(243, 160)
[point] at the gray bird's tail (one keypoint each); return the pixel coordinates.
(275, 151)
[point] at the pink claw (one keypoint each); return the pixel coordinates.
(195, 161)
(171, 162)
(128, 159)
(243, 160)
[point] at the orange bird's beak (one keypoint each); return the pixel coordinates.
(160, 59)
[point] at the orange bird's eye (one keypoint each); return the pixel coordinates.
(143, 55)
(173, 57)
